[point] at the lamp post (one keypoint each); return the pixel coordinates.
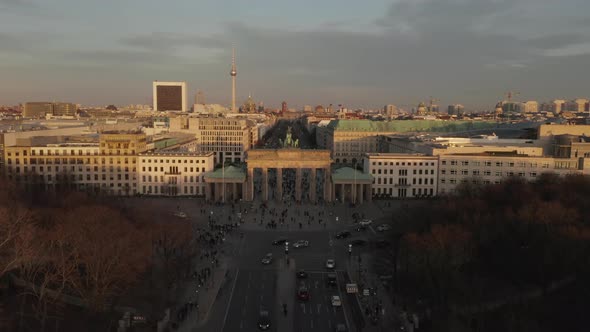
(354, 190)
(223, 178)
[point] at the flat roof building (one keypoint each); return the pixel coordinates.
(169, 96)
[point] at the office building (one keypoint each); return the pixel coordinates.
(227, 138)
(173, 173)
(169, 96)
(530, 107)
(402, 175)
(456, 109)
(390, 111)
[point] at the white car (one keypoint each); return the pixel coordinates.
(366, 222)
(301, 243)
(180, 214)
(267, 259)
(330, 264)
(336, 302)
(383, 228)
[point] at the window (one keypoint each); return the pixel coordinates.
(453, 162)
(475, 172)
(498, 164)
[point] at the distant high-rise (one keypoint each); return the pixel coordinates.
(530, 106)
(390, 110)
(200, 98)
(558, 106)
(37, 109)
(284, 107)
(169, 96)
(456, 109)
(41, 109)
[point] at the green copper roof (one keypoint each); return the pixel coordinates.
(401, 126)
(350, 174)
(229, 173)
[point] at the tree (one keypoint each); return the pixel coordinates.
(110, 251)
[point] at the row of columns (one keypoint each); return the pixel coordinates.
(216, 190)
(358, 192)
(298, 177)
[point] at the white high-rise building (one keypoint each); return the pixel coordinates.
(530, 106)
(169, 96)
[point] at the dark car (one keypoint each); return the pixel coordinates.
(301, 274)
(360, 228)
(303, 293)
(358, 242)
(343, 235)
(264, 320)
(279, 242)
(332, 279)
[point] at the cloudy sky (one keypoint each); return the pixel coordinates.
(357, 53)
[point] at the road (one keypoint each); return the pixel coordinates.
(256, 286)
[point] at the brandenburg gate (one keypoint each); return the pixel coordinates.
(289, 158)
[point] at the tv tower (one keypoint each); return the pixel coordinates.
(233, 74)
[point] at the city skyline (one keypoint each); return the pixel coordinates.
(356, 54)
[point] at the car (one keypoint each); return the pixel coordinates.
(366, 222)
(336, 302)
(279, 242)
(267, 259)
(301, 243)
(301, 274)
(383, 228)
(330, 263)
(343, 235)
(180, 214)
(382, 244)
(358, 242)
(332, 279)
(264, 320)
(340, 328)
(360, 228)
(303, 293)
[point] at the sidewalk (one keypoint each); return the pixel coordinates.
(388, 313)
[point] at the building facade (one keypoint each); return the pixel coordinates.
(169, 96)
(493, 168)
(402, 175)
(173, 173)
(227, 138)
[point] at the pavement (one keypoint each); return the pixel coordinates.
(232, 303)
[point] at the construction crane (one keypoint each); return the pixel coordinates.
(511, 94)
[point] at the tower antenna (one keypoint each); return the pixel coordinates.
(233, 74)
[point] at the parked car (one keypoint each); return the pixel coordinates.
(330, 263)
(301, 243)
(366, 222)
(336, 302)
(267, 259)
(343, 234)
(383, 228)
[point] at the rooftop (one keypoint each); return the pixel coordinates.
(227, 173)
(409, 125)
(348, 174)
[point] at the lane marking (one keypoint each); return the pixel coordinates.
(311, 323)
(303, 307)
(329, 324)
(230, 298)
(319, 307)
(340, 293)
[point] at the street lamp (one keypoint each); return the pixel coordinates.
(349, 250)
(223, 178)
(287, 252)
(354, 190)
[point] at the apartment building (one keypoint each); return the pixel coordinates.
(227, 138)
(107, 163)
(173, 173)
(494, 167)
(402, 175)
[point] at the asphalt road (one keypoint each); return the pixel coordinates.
(256, 284)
